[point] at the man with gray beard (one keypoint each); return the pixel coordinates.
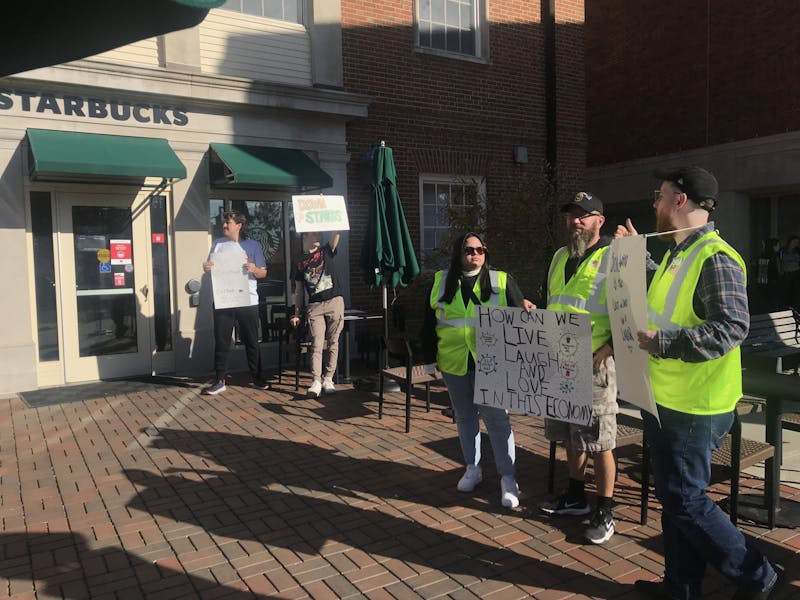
(576, 283)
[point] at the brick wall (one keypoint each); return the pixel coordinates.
(448, 116)
(670, 76)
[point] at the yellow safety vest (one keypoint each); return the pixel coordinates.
(700, 388)
(585, 292)
(455, 322)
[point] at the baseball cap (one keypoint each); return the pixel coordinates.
(585, 201)
(697, 183)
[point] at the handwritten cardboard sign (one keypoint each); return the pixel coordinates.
(537, 363)
(626, 297)
(320, 213)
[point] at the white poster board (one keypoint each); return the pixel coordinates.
(626, 296)
(229, 279)
(537, 363)
(320, 213)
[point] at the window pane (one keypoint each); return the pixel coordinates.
(428, 214)
(252, 7)
(466, 16)
(424, 10)
(216, 208)
(273, 9)
(437, 11)
(467, 42)
(453, 43)
(233, 5)
(443, 194)
(452, 13)
(291, 11)
(429, 238)
(425, 37)
(429, 193)
(46, 313)
(441, 216)
(437, 37)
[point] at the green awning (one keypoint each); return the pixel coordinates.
(69, 155)
(255, 167)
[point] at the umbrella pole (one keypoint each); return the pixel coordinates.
(385, 323)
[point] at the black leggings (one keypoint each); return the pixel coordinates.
(247, 319)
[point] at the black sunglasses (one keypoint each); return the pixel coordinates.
(470, 250)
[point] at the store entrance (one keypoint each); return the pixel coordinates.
(106, 285)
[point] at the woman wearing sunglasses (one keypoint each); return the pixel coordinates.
(449, 340)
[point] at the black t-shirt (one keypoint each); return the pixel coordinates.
(317, 272)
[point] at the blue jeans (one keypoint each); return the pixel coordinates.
(696, 531)
(461, 389)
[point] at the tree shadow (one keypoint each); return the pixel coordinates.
(66, 565)
(305, 498)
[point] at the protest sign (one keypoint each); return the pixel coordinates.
(626, 297)
(537, 363)
(229, 279)
(320, 213)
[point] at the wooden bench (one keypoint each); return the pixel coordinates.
(407, 375)
(772, 336)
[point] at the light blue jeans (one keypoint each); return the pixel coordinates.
(461, 389)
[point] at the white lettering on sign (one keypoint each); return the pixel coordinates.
(537, 363)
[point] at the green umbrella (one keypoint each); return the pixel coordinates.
(387, 256)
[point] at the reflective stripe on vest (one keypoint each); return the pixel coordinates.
(455, 322)
(702, 388)
(584, 292)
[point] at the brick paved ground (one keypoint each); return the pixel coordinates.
(169, 494)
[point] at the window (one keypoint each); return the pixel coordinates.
(283, 10)
(440, 196)
(450, 26)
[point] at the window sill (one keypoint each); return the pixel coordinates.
(447, 54)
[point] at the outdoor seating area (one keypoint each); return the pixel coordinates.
(162, 492)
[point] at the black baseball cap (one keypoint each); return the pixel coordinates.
(698, 184)
(585, 201)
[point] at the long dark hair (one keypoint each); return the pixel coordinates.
(454, 273)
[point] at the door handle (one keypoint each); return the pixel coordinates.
(145, 291)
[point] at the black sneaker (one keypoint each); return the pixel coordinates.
(601, 526)
(259, 385)
(215, 389)
(566, 506)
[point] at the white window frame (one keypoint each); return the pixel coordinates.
(481, 20)
(449, 180)
(301, 19)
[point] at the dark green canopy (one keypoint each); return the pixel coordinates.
(387, 256)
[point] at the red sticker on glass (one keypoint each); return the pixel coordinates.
(158, 238)
(119, 279)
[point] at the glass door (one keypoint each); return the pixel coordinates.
(106, 286)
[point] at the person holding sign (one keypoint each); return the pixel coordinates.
(576, 283)
(449, 339)
(698, 317)
(254, 264)
(316, 274)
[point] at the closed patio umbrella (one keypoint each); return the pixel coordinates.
(387, 256)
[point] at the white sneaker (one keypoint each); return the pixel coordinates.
(315, 389)
(327, 385)
(470, 479)
(509, 492)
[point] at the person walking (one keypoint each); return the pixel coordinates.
(448, 338)
(576, 283)
(698, 317)
(235, 239)
(316, 278)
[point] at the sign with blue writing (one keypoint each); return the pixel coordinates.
(105, 267)
(537, 363)
(626, 296)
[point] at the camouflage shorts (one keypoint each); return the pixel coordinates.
(601, 433)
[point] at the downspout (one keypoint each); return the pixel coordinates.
(551, 144)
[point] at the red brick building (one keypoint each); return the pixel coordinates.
(709, 83)
(455, 87)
